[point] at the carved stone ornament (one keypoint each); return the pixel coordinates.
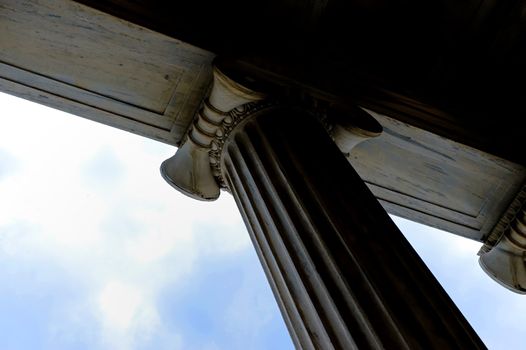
(349, 126)
(195, 169)
(236, 116)
(503, 257)
(189, 169)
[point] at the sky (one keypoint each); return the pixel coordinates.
(98, 252)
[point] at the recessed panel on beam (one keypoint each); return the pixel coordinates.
(74, 58)
(429, 179)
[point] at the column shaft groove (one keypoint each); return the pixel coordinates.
(343, 274)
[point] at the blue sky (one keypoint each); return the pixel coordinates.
(98, 252)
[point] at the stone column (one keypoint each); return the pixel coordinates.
(343, 274)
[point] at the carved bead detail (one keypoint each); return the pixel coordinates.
(234, 117)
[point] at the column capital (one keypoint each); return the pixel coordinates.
(196, 170)
(231, 120)
(189, 169)
(503, 256)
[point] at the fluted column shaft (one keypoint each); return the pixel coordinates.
(343, 274)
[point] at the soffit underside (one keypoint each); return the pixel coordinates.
(436, 181)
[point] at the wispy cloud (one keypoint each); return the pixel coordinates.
(104, 170)
(7, 164)
(497, 314)
(88, 209)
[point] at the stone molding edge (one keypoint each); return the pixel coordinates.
(505, 221)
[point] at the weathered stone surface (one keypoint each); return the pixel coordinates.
(74, 58)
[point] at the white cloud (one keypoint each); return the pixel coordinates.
(250, 311)
(124, 307)
(130, 319)
(123, 266)
(104, 170)
(8, 164)
(157, 244)
(497, 314)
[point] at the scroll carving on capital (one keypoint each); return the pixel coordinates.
(195, 169)
(350, 126)
(189, 170)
